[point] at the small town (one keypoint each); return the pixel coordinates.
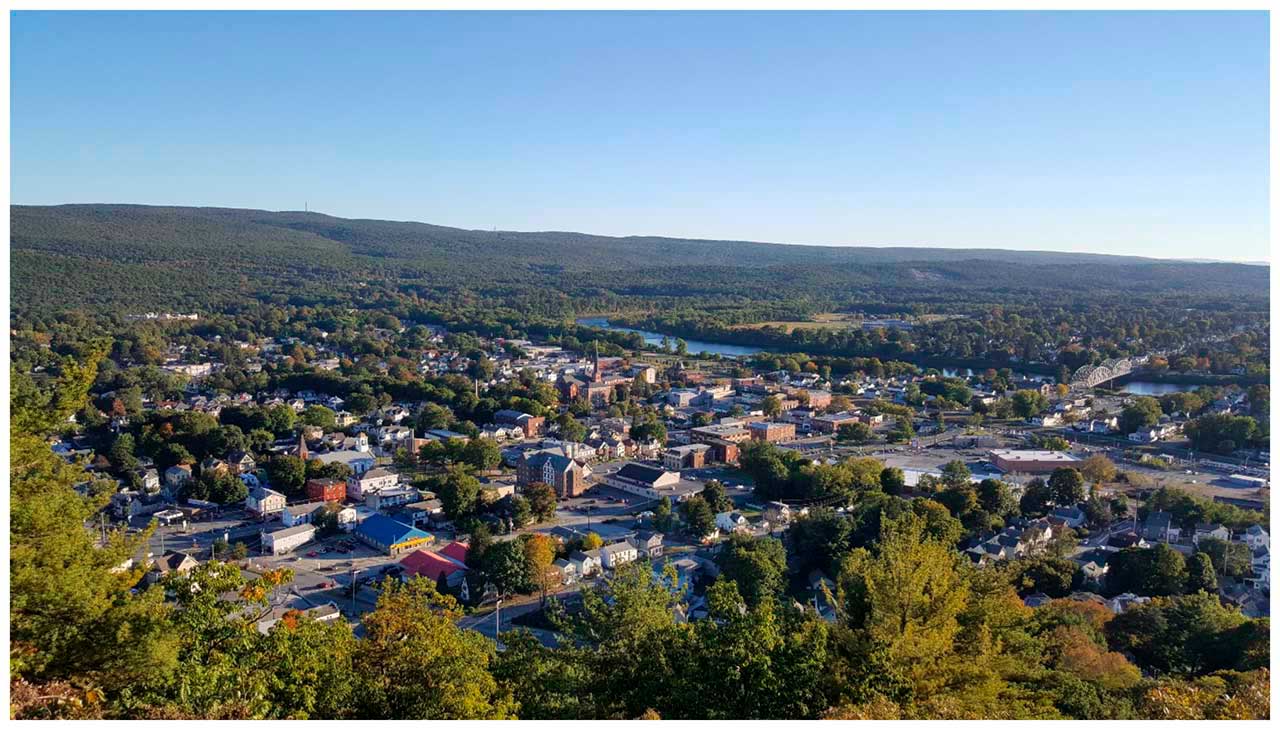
(594, 462)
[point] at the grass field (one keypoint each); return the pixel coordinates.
(819, 320)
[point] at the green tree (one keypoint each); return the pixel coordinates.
(459, 492)
(1142, 412)
(482, 453)
(697, 516)
(1201, 575)
(1028, 403)
(319, 416)
(287, 474)
(756, 565)
(542, 501)
(854, 432)
(415, 663)
(1066, 486)
(893, 481)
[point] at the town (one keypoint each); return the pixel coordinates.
(581, 463)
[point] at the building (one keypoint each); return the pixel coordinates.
(264, 502)
(728, 432)
(387, 535)
(375, 479)
(391, 497)
(287, 539)
(303, 513)
(830, 424)
(731, 522)
(649, 544)
(326, 489)
(175, 477)
(170, 563)
(531, 426)
(359, 461)
(693, 455)
(772, 432)
(1032, 461)
(650, 481)
(567, 476)
(434, 565)
(617, 554)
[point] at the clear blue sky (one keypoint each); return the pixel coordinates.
(1136, 133)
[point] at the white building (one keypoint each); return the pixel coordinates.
(263, 501)
(287, 539)
(373, 480)
(619, 553)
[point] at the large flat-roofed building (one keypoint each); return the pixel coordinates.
(730, 433)
(283, 540)
(1032, 461)
(652, 482)
(831, 423)
(772, 432)
(693, 455)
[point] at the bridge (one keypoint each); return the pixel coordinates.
(1090, 376)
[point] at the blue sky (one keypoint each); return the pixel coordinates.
(1133, 133)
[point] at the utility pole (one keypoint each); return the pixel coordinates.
(497, 619)
(353, 590)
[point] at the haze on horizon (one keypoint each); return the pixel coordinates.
(1107, 132)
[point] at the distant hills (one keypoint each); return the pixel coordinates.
(100, 254)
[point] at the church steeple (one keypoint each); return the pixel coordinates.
(595, 365)
(302, 446)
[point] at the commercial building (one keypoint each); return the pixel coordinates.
(386, 534)
(1032, 461)
(693, 455)
(651, 482)
(375, 480)
(730, 433)
(287, 539)
(326, 489)
(772, 432)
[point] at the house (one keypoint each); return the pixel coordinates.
(1216, 531)
(170, 563)
(264, 502)
(323, 613)
(1072, 516)
(359, 461)
(1255, 537)
(373, 480)
(241, 462)
(777, 514)
(150, 479)
(617, 554)
(175, 477)
(585, 563)
(1157, 527)
(213, 467)
(287, 539)
(387, 535)
(295, 514)
(568, 571)
(392, 497)
(731, 522)
(649, 544)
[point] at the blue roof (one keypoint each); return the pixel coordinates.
(387, 532)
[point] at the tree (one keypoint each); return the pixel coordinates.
(319, 416)
(854, 432)
(1049, 575)
(433, 417)
(662, 519)
(1066, 486)
(592, 541)
(459, 492)
(893, 481)
(519, 511)
(287, 474)
(697, 516)
(756, 565)
(1155, 571)
(716, 496)
(482, 453)
(415, 663)
(1098, 469)
(771, 405)
(1027, 403)
(504, 564)
(995, 497)
(542, 501)
(1230, 559)
(1142, 412)
(1036, 499)
(1180, 635)
(1220, 433)
(540, 556)
(570, 429)
(902, 431)
(956, 474)
(1200, 574)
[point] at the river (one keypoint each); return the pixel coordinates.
(696, 347)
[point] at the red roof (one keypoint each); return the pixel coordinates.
(456, 551)
(429, 564)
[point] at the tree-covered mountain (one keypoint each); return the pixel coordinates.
(100, 255)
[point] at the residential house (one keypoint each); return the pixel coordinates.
(1216, 531)
(264, 502)
(649, 544)
(618, 554)
(170, 563)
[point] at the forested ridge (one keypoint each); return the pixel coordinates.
(1045, 310)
